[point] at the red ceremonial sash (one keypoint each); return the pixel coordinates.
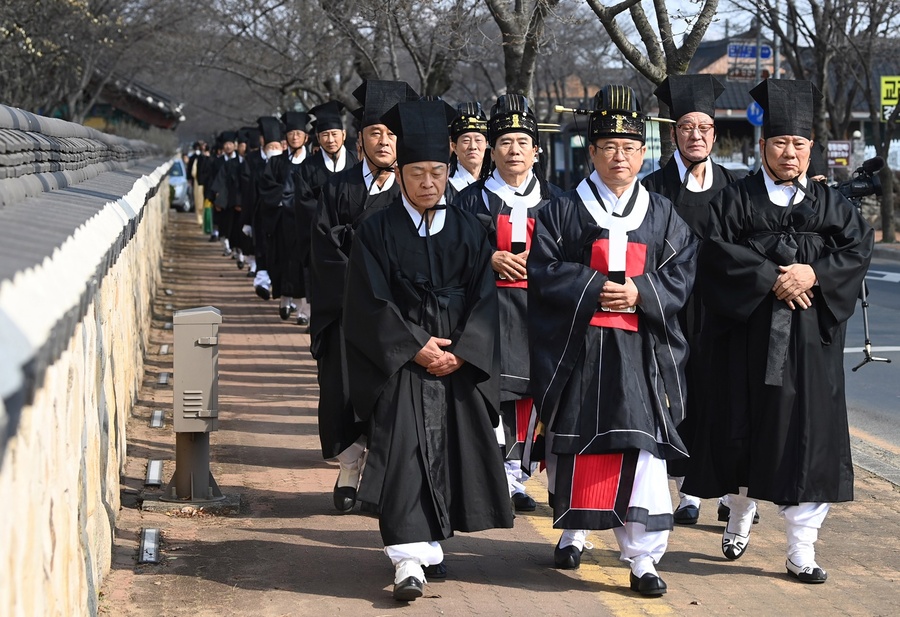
(595, 481)
(523, 417)
(504, 243)
(635, 259)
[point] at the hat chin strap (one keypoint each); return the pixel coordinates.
(779, 180)
(378, 168)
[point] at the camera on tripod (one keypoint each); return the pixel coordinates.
(864, 182)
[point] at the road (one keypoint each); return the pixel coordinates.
(873, 391)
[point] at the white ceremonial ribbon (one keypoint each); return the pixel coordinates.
(518, 204)
(618, 226)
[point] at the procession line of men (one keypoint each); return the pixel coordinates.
(470, 320)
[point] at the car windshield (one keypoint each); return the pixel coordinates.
(177, 170)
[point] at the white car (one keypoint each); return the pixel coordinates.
(179, 187)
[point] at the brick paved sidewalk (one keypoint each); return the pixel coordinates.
(288, 553)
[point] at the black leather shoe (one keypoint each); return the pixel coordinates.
(648, 585)
(344, 498)
(568, 558)
(285, 312)
(523, 503)
(302, 320)
(812, 574)
(262, 292)
(688, 515)
(240, 264)
(408, 589)
(724, 512)
(436, 572)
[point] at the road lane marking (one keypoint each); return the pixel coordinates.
(880, 275)
(874, 349)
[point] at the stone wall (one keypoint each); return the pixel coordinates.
(78, 269)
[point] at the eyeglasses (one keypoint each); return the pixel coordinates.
(610, 150)
(688, 129)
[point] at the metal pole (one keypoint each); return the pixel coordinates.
(757, 133)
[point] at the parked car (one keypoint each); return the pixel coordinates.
(180, 187)
(738, 169)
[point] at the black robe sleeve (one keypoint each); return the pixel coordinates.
(381, 340)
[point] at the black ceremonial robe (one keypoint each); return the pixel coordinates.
(787, 443)
(433, 465)
(693, 207)
(513, 303)
(343, 204)
(315, 174)
(640, 355)
(278, 189)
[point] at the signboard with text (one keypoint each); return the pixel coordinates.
(742, 58)
(890, 95)
(838, 153)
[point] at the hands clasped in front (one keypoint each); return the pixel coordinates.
(437, 361)
(617, 297)
(510, 265)
(794, 285)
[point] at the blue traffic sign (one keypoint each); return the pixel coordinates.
(755, 114)
(747, 50)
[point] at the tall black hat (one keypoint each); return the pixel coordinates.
(378, 96)
(684, 94)
(512, 114)
(787, 106)
(228, 136)
(248, 135)
(421, 129)
(271, 128)
(617, 113)
(328, 116)
(295, 121)
(469, 118)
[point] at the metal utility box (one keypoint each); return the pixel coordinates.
(196, 368)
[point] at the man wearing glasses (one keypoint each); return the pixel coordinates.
(690, 180)
(610, 266)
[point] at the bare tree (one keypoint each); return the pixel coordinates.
(521, 24)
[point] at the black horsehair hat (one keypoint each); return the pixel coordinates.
(295, 121)
(469, 118)
(328, 116)
(377, 97)
(421, 129)
(226, 136)
(512, 114)
(616, 113)
(271, 128)
(787, 106)
(684, 94)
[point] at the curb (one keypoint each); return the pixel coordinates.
(887, 251)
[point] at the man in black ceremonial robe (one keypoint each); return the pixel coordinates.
(781, 268)
(609, 269)
(279, 188)
(348, 198)
(421, 328)
(690, 179)
(332, 157)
